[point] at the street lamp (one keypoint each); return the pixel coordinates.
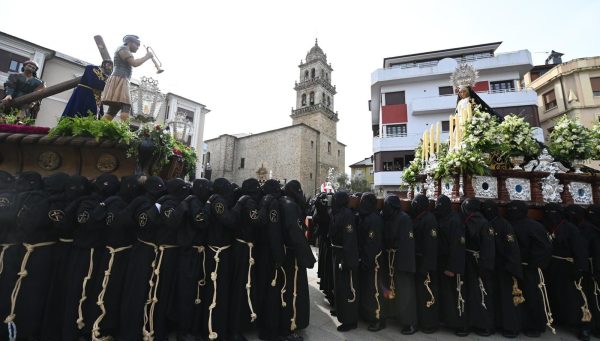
(146, 100)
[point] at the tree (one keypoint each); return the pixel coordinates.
(342, 182)
(359, 184)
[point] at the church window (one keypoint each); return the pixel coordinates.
(329, 147)
(312, 98)
(306, 75)
(322, 73)
(242, 162)
(303, 99)
(323, 98)
(311, 176)
(207, 157)
(327, 76)
(328, 101)
(339, 153)
(312, 73)
(312, 144)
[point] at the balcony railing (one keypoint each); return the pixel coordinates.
(314, 107)
(430, 63)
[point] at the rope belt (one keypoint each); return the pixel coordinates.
(378, 310)
(80, 323)
(100, 302)
(294, 295)
(517, 293)
(542, 287)
(596, 291)
(352, 289)
(213, 276)
(568, 259)
(10, 319)
(432, 300)
(249, 282)
(4, 248)
(337, 246)
(585, 310)
(391, 270)
(202, 281)
(460, 302)
(159, 251)
(482, 290)
(65, 240)
(85, 86)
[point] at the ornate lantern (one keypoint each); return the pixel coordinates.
(146, 100)
(180, 127)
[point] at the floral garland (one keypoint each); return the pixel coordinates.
(516, 137)
(571, 140)
(409, 174)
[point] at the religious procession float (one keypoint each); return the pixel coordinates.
(492, 157)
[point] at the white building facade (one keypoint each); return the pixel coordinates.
(412, 92)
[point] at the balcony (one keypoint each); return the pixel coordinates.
(389, 143)
(387, 178)
(516, 61)
(494, 98)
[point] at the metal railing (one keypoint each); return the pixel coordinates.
(430, 63)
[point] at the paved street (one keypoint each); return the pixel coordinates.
(323, 326)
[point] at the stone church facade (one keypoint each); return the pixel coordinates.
(304, 151)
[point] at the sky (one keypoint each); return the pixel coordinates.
(240, 58)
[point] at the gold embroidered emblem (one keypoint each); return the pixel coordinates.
(434, 233)
(371, 234)
(411, 235)
(109, 218)
(168, 212)
(254, 214)
(199, 217)
(462, 240)
(273, 216)
(491, 231)
(510, 238)
(142, 219)
(219, 208)
(83, 217)
(349, 228)
(4, 202)
(56, 215)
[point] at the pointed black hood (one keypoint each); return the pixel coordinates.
(7, 181)
(443, 206)
(272, 187)
(340, 201)
(553, 215)
(29, 181)
(593, 215)
(368, 204)
(55, 183)
(178, 188)
(516, 210)
(223, 187)
(489, 209)
(419, 204)
(202, 188)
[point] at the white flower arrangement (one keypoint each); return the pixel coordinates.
(459, 161)
(595, 141)
(516, 137)
(570, 140)
(481, 132)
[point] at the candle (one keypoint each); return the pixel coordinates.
(451, 131)
(469, 111)
(431, 140)
(425, 145)
(439, 137)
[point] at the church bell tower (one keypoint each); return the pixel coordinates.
(314, 94)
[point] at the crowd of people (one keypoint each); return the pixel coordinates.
(471, 270)
(142, 258)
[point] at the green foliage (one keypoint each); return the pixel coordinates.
(13, 117)
(91, 127)
(166, 147)
(343, 182)
(409, 174)
(571, 140)
(359, 184)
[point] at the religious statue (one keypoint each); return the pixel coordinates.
(23, 83)
(85, 99)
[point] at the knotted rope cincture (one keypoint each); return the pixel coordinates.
(391, 260)
(596, 291)
(586, 315)
(283, 289)
(213, 276)
(460, 302)
(294, 295)
(483, 292)
(352, 289)
(546, 301)
(249, 281)
(65, 240)
(4, 248)
(378, 310)
(517, 293)
(100, 302)
(80, 322)
(431, 302)
(202, 280)
(10, 319)
(159, 251)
